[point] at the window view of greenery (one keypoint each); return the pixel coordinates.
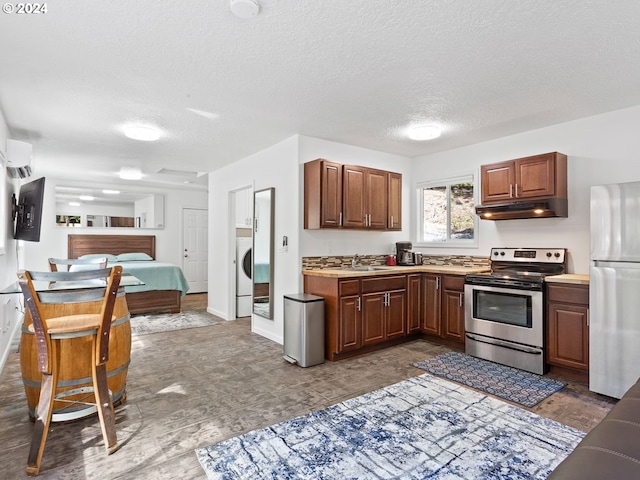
(448, 212)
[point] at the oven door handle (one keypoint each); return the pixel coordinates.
(500, 343)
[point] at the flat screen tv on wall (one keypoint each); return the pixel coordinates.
(28, 211)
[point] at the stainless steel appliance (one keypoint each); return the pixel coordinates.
(614, 288)
(404, 254)
(504, 309)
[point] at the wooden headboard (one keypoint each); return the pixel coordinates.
(78, 245)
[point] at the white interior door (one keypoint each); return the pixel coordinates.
(195, 255)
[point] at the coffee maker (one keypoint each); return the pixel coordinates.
(404, 254)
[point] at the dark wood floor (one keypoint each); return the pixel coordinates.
(196, 387)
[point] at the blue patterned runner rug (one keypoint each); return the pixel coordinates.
(424, 427)
(518, 386)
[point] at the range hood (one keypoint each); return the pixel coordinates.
(545, 208)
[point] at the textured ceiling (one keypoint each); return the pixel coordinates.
(356, 72)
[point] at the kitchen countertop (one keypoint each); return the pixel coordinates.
(385, 270)
(575, 278)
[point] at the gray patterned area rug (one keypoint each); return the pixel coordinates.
(518, 386)
(424, 427)
(168, 322)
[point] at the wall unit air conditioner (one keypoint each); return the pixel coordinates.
(18, 158)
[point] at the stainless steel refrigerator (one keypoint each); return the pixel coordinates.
(614, 288)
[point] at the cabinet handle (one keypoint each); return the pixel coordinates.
(587, 317)
(391, 221)
(358, 304)
(511, 190)
(386, 299)
(340, 220)
(256, 226)
(460, 299)
(516, 190)
(437, 283)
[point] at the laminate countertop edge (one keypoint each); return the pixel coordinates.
(384, 270)
(574, 278)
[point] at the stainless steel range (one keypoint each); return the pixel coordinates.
(504, 309)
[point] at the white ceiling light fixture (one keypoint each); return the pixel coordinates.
(74, 204)
(86, 198)
(424, 132)
(244, 8)
(143, 133)
(130, 174)
(111, 192)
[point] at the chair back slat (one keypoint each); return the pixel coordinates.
(77, 263)
(72, 296)
(74, 277)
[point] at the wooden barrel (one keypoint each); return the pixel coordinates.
(75, 361)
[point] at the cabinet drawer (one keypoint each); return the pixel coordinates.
(454, 282)
(349, 287)
(578, 294)
(384, 284)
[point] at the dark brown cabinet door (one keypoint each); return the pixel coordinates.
(568, 336)
(431, 303)
(354, 197)
(535, 176)
(331, 188)
(394, 221)
(396, 314)
(376, 206)
(350, 324)
(497, 181)
(453, 315)
(322, 194)
(373, 318)
(413, 303)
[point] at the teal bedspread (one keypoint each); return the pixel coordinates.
(261, 273)
(155, 275)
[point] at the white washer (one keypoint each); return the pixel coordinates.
(243, 276)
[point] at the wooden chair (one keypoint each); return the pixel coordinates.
(50, 331)
(77, 264)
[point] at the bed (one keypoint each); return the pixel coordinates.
(165, 283)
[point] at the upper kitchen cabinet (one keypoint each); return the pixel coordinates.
(351, 196)
(395, 201)
(529, 178)
(364, 193)
(322, 194)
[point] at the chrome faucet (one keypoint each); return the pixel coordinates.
(355, 260)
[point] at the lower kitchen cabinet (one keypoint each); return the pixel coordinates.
(568, 326)
(414, 292)
(442, 306)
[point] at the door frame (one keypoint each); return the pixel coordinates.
(231, 252)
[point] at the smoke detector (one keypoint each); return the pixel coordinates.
(244, 8)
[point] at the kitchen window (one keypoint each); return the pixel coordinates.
(446, 213)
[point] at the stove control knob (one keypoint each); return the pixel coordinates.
(502, 254)
(557, 254)
(495, 254)
(549, 254)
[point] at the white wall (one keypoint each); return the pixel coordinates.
(344, 242)
(10, 315)
(276, 166)
(600, 149)
(53, 238)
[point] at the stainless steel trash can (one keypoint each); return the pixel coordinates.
(304, 329)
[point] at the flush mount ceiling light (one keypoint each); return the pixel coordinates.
(86, 198)
(424, 132)
(111, 192)
(74, 204)
(130, 174)
(244, 8)
(144, 133)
